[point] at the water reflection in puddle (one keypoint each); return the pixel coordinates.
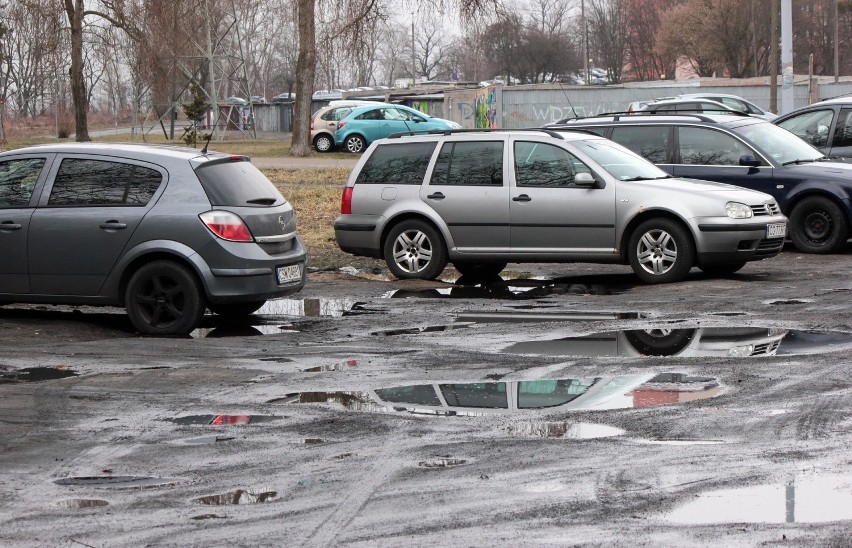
(504, 289)
(36, 374)
(312, 308)
(483, 398)
(446, 462)
(223, 420)
(418, 330)
(803, 500)
(565, 430)
(240, 496)
(119, 482)
(737, 342)
(538, 316)
(82, 503)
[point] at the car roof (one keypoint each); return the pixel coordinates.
(118, 149)
(563, 133)
(685, 100)
(646, 117)
(710, 94)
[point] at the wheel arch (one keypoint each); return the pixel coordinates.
(644, 216)
(412, 216)
(841, 201)
(145, 257)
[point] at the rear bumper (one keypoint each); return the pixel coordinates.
(359, 235)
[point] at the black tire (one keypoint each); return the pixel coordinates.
(479, 270)
(659, 342)
(721, 269)
(661, 251)
(164, 298)
(355, 144)
(324, 142)
(414, 249)
(817, 225)
(235, 310)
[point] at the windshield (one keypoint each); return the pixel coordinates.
(780, 144)
(620, 162)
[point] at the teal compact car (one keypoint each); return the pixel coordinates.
(366, 124)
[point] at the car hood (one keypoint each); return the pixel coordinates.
(693, 187)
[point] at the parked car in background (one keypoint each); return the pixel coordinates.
(164, 232)
(685, 105)
(363, 125)
(284, 98)
(748, 152)
(258, 100)
(235, 101)
(324, 121)
(734, 102)
(826, 125)
(480, 199)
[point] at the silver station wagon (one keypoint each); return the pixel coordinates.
(481, 199)
(166, 232)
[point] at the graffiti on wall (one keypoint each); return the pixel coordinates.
(485, 108)
(532, 114)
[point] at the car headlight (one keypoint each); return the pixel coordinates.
(741, 351)
(737, 210)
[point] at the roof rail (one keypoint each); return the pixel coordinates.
(616, 116)
(474, 130)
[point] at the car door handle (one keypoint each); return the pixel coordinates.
(436, 196)
(9, 225)
(112, 225)
(522, 198)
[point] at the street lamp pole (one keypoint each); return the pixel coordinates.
(585, 41)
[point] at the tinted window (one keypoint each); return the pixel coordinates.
(700, 146)
(843, 131)
(542, 164)
(483, 394)
(237, 184)
(650, 142)
(375, 114)
(423, 394)
(336, 113)
(549, 393)
(811, 127)
(397, 164)
(469, 163)
(103, 183)
(17, 181)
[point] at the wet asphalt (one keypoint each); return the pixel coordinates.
(557, 404)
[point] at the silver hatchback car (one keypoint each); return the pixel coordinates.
(480, 199)
(166, 232)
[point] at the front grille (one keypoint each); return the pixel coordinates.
(769, 248)
(767, 209)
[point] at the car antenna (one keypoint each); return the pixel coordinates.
(204, 150)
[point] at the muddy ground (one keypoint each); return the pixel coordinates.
(634, 415)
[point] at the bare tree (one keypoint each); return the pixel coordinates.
(608, 35)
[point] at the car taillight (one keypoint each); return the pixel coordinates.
(341, 124)
(226, 225)
(346, 201)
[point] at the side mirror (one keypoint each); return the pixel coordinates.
(749, 160)
(586, 180)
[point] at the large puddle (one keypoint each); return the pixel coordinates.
(35, 374)
(499, 288)
(739, 342)
(482, 398)
(802, 500)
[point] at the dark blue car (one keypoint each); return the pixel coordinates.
(748, 152)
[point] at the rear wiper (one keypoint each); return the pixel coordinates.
(262, 201)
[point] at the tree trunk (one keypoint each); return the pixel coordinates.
(74, 10)
(306, 65)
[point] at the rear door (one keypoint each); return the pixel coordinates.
(20, 181)
(549, 214)
(91, 207)
(467, 189)
(841, 143)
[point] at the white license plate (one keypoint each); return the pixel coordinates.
(290, 273)
(777, 230)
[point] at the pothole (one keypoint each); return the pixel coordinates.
(312, 308)
(564, 430)
(418, 330)
(237, 497)
(539, 316)
(774, 302)
(82, 503)
(119, 482)
(345, 365)
(808, 499)
(223, 420)
(36, 374)
(441, 462)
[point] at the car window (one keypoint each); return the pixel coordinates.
(238, 184)
(543, 164)
(734, 104)
(650, 142)
(475, 163)
(103, 183)
(811, 127)
(394, 114)
(551, 392)
(778, 143)
(706, 147)
(17, 181)
(399, 164)
(336, 114)
(482, 394)
(619, 161)
(843, 131)
(375, 114)
(423, 394)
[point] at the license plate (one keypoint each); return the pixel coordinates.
(290, 273)
(777, 230)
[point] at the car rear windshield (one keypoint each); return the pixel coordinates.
(237, 183)
(398, 164)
